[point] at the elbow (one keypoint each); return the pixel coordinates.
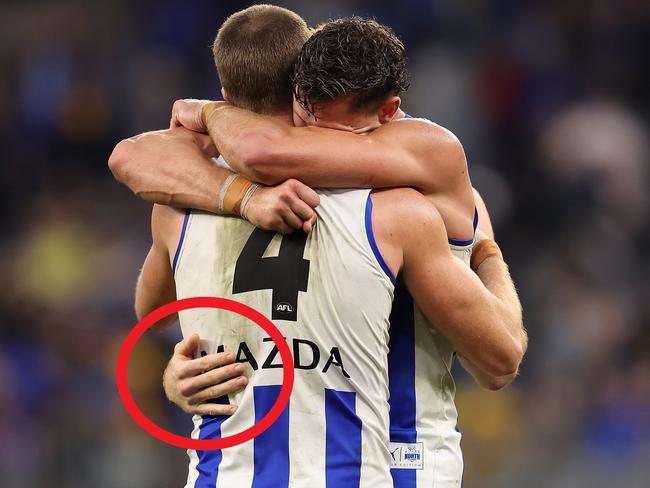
(118, 161)
(506, 363)
(496, 383)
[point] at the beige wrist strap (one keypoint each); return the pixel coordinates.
(232, 194)
(483, 250)
(206, 112)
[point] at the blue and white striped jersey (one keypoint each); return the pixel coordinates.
(424, 441)
(329, 294)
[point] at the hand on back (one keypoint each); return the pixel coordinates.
(191, 383)
(283, 208)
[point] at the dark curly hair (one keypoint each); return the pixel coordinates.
(354, 57)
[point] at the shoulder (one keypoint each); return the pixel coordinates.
(405, 207)
(404, 219)
(428, 133)
(436, 151)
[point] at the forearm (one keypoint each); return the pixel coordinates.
(267, 150)
(244, 139)
(169, 168)
(471, 316)
(493, 273)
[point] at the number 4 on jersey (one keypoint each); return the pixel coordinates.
(286, 274)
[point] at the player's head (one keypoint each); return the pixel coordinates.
(349, 75)
(255, 52)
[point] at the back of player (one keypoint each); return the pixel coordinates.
(331, 299)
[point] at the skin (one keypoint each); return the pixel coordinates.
(186, 110)
(350, 148)
(412, 153)
(282, 208)
(183, 372)
(478, 321)
(269, 149)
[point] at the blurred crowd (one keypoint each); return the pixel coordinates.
(551, 101)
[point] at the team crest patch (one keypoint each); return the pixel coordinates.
(406, 456)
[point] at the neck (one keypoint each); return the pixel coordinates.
(286, 117)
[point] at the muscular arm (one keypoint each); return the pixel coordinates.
(170, 167)
(408, 152)
(155, 285)
(476, 319)
(173, 167)
(482, 378)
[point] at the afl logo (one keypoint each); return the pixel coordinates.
(284, 307)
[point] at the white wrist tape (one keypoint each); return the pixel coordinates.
(224, 190)
(247, 197)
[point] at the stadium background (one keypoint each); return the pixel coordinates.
(550, 99)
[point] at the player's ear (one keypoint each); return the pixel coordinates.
(225, 95)
(389, 108)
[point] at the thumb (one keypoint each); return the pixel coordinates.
(188, 346)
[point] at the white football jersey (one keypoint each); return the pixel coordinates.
(424, 440)
(329, 294)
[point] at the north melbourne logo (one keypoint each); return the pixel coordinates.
(406, 455)
(284, 307)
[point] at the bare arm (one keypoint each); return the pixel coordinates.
(173, 167)
(156, 285)
(407, 152)
(485, 380)
(170, 167)
(476, 319)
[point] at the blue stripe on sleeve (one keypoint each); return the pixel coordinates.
(180, 241)
(271, 447)
(371, 240)
(401, 380)
(343, 440)
(208, 466)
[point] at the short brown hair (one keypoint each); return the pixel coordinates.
(255, 52)
(354, 57)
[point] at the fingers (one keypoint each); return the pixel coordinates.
(213, 377)
(227, 388)
(188, 346)
(174, 122)
(306, 194)
(187, 113)
(291, 219)
(308, 225)
(213, 409)
(206, 363)
(301, 209)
